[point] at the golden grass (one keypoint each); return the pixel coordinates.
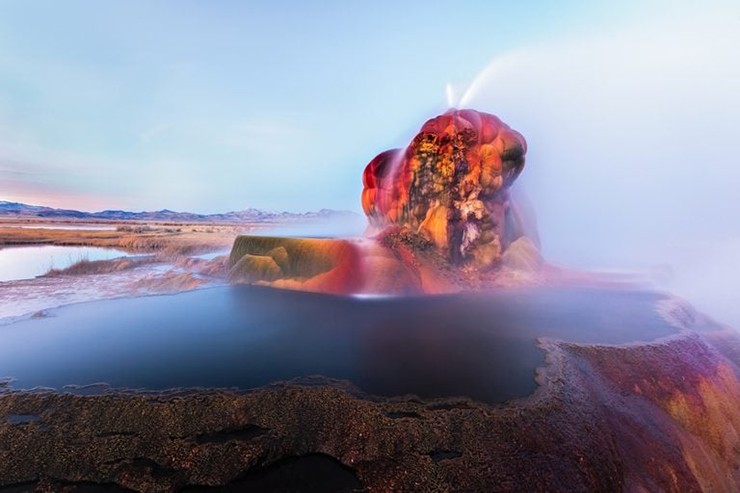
(164, 240)
(86, 267)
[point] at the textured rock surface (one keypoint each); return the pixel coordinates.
(450, 186)
(321, 265)
(443, 211)
(662, 416)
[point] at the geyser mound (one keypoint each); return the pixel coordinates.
(440, 214)
(450, 186)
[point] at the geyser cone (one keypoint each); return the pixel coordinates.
(444, 214)
(450, 186)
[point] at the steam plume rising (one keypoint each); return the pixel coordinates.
(633, 135)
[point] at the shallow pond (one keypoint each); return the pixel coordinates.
(477, 345)
(27, 262)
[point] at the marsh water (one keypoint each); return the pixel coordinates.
(480, 345)
(27, 262)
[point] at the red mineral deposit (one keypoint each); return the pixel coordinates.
(450, 186)
(441, 216)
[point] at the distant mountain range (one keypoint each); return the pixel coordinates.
(16, 209)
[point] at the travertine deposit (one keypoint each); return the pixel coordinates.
(449, 185)
(441, 219)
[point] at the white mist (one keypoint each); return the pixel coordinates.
(633, 158)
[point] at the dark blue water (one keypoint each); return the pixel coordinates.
(476, 345)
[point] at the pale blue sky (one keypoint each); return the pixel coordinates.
(211, 106)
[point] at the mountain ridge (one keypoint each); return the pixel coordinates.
(19, 209)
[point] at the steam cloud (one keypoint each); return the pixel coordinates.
(633, 150)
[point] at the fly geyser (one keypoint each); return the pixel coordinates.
(450, 185)
(440, 219)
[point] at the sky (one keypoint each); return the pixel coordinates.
(216, 106)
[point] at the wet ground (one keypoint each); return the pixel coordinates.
(129, 276)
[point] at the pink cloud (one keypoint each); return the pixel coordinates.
(14, 189)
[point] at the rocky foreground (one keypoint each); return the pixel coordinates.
(662, 416)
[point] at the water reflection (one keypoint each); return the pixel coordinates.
(27, 262)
